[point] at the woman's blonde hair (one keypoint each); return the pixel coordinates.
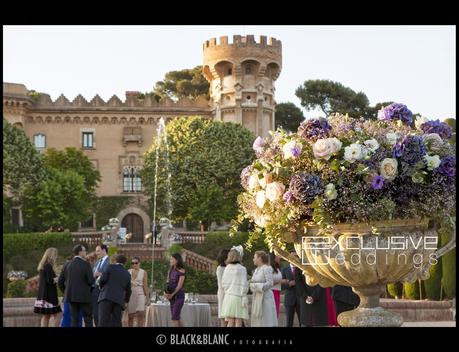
(263, 255)
(50, 257)
(233, 256)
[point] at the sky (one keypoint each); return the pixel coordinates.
(414, 65)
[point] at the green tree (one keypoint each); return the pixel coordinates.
(74, 159)
(59, 200)
(452, 123)
(188, 83)
(201, 153)
(288, 116)
(371, 112)
(332, 97)
(22, 163)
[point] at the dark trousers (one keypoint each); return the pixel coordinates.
(109, 314)
(95, 310)
(75, 309)
(290, 314)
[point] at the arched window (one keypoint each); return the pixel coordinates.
(39, 140)
(131, 180)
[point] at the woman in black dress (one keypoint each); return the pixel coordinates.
(47, 302)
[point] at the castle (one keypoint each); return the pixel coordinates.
(114, 134)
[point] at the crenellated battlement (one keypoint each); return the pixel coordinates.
(243, 41)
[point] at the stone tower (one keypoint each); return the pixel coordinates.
(241, 77)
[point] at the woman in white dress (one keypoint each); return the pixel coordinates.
(138, 299)
(261, 284)
(221, 259)
(234, 282)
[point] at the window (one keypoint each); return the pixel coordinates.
(131, 180)
(248, 97)
(88, 140)
(230, 71)
(15, 217)
(248, 70)
(39, 140)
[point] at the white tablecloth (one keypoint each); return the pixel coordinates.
(193, 314)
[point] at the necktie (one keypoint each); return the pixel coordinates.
(99, 264)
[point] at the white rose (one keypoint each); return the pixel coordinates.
(336, 143)
(261, 199)
(432, 161)
(267, 178)
(323, 148)
(419, 121)
(388, 168)
(291, 149)
(253, 182)
(371, 144)
(354, 152)
(330, 191)
(274, 191)
(392, 138)
(433, 141)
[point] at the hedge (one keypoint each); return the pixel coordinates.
(448, 268)
(433, 283)
(395, 290)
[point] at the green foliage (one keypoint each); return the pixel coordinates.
(452, 123)
(16, 289)
(448, 261)
(201, 153)
(395, 290)
(23, 251)
(74, 159)
(433, 283)
(188, 83)
(216, 241)
(112, 251)
(109, 207)
(332, 97)
(22, 164)
(59, 201)
(288, 116)
(411, 290)
(175, 248)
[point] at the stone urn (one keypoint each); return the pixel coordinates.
(366, 257)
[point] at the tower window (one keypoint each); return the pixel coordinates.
(88, 140)
(249, 97)
(39, 140)
(230, 71)
(248, 70)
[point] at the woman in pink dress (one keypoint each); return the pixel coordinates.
(277, 279)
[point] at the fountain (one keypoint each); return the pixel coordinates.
(161, 136)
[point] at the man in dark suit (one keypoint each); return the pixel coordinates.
(76, 282)
(292, 293)
(115, 292)
(313, 305)
(100, 267)
(345, 299)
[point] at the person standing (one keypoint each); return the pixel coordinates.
(174, 290)
(263, 305)
(66, 320)
(47, 302)
(234, 282)
(139, 286)
(221, 259)
(78, 281)
(292, 296)
(277, 280)
(115, 292)
(313, 303)
(100, 267)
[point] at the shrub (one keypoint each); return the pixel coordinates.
(395, 290)
(16, 289)
(448, 266)
(433, 283)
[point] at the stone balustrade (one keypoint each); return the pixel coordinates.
(198, 261)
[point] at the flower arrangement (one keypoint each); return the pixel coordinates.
(345, 170)
(16, 275)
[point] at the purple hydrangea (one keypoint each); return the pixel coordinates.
(314, 129)
(396, 111)
(410, 150)
(288, 197)
(245, 174)
(305, 187)
(258, 144)
(448, 166)
(441, 128)
(377, 182)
